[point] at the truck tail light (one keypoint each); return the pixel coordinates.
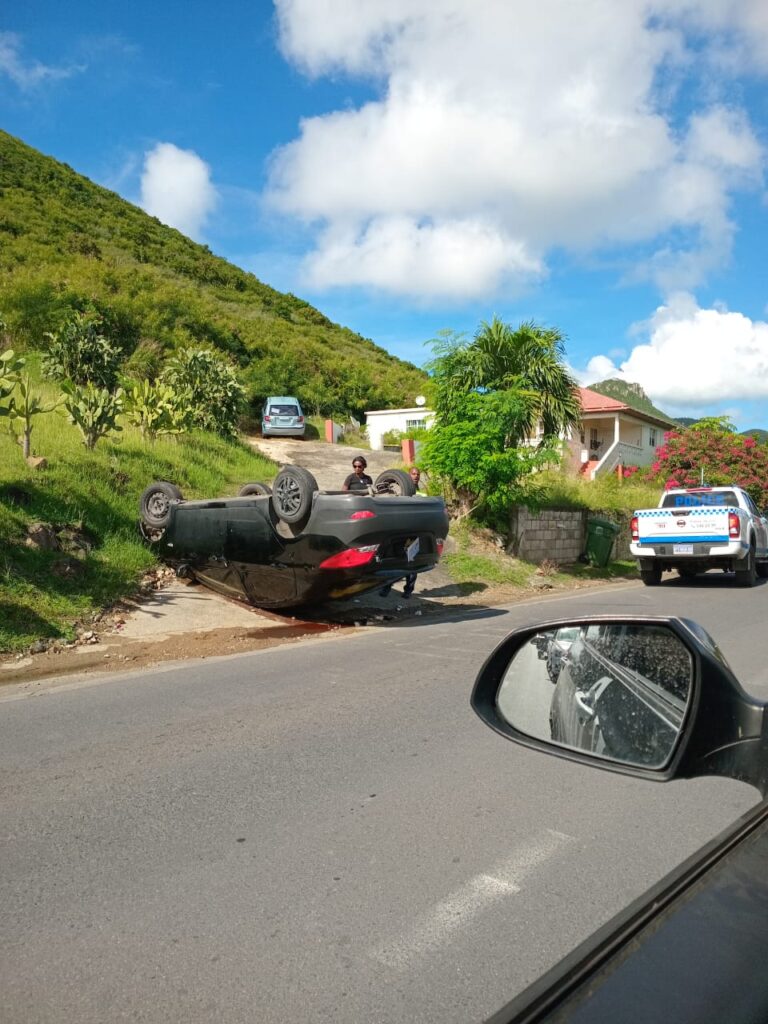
(349, 558)
(734, 526)
(440, 545)
(635, 528)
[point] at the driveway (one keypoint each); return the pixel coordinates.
(330, 464)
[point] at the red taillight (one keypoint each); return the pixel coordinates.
(365, 514)
(266, 419)
(440, 543)
(350, 557)
(734, 526)
(301, 419)
(635, 528)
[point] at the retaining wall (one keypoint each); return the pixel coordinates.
(559, 535)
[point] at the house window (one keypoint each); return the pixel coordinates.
(594, 441)
(652, 437)
(415, 424)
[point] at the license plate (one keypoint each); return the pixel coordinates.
(682, 549)
(412, 550)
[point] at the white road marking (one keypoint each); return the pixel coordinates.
(451, 914)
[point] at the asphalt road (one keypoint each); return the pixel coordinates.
(325, 831)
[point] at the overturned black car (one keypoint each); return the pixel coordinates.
(293, 544)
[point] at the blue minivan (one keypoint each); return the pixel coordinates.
(282, 417)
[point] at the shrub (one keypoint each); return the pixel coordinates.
(209, 387)
(93, 410)
(156, 409)
(80, 353)
(712, 453)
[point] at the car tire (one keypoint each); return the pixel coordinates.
(156, 502)
(394, 481)
(651, 577)
(746, 573)
(292, 492)
(762, 570)
(255, 488)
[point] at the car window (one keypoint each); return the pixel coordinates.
(283, 410)
(693, 499)
(568, 633)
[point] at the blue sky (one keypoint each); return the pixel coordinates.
(409, 167)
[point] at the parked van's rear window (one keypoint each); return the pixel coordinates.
(697, 499)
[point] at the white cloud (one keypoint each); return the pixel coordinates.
(396, 254)
(27, 74)
(538, 125)
(694, 356)
(176, 188)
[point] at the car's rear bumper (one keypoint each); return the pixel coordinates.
(283, 431)
(681, 549)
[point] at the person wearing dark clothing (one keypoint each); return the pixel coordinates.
(410, 580)
(359, 480)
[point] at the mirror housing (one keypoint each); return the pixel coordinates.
(722, 731)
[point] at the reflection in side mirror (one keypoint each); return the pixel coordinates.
(617, 691)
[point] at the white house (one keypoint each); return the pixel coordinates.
(379, 422)
(613, 434)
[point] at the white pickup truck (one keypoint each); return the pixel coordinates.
(699, 528)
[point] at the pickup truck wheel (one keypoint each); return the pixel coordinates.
(155, 504)
(651, 577)
(394, 481)
(762, 570)
(292, 492)
(746, 571)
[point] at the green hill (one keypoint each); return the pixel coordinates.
(632, 395)
(66, 243)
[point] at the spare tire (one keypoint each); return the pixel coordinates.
(255, 488)
(155, 503)
(292, 491)
(395, 481)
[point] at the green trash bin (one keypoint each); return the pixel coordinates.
(601, 534)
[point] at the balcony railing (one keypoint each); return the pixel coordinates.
(619, 453)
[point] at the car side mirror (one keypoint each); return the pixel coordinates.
(652, 697)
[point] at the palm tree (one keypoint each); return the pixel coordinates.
(530, 358)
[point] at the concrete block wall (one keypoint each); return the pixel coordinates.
(559, 535)
(551, 533)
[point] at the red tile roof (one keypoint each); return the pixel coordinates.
(591, 401)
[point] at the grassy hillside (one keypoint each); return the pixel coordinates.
(66, 243)
(95, 494)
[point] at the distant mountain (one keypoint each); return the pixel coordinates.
(67, 244)
(632, 395)
(761, 436)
